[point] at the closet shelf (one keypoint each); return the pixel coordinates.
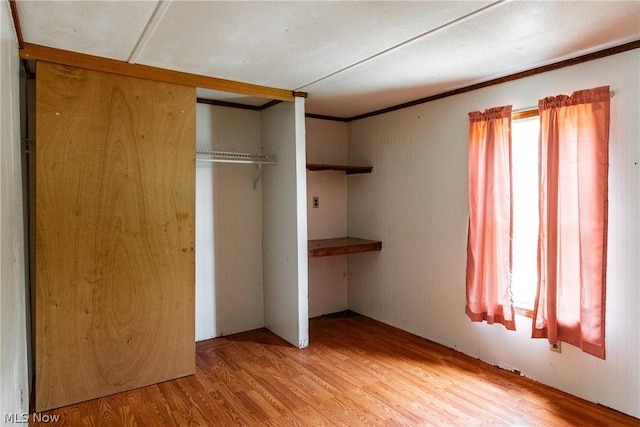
(341, 246)
(348, 169)
(234, 157)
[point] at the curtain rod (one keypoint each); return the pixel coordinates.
(521, 110)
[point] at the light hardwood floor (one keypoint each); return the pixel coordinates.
(356, 372)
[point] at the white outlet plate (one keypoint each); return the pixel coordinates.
(557, 347)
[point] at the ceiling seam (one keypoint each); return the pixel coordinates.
(149, 29)
(411, 40)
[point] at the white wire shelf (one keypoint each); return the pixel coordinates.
(234, 157)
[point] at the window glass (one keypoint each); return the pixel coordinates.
(524, 173)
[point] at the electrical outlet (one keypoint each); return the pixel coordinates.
(557, 347)
(316, 202)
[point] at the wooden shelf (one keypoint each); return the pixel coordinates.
(348, 169)
(341, 246)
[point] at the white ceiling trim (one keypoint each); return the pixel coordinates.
(417, 38)
(149, 29)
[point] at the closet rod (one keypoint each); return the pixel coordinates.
(234, 157)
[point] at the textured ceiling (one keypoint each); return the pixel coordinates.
(351, 57)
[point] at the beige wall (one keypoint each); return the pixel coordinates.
(14, 392)
(416, 203)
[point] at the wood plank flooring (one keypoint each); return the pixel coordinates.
(356, 372)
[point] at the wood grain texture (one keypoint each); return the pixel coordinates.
(16, 23)
(355, 372)
(341, 246)
(115, 207)
(96, 63)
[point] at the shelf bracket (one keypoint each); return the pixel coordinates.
(258, 175)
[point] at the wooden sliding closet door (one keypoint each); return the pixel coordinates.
(115, 190)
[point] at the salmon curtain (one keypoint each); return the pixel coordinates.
(574, 151)
(488, 284)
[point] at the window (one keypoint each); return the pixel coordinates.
(526, 221)
(509, 244)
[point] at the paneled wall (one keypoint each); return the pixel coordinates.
(14, 390)
(416, 203)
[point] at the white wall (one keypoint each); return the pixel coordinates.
(14, 392)
(229, 282)
(285, 223)
(416, 203)
(328, 276)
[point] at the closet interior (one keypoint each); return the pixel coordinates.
(251, 264)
